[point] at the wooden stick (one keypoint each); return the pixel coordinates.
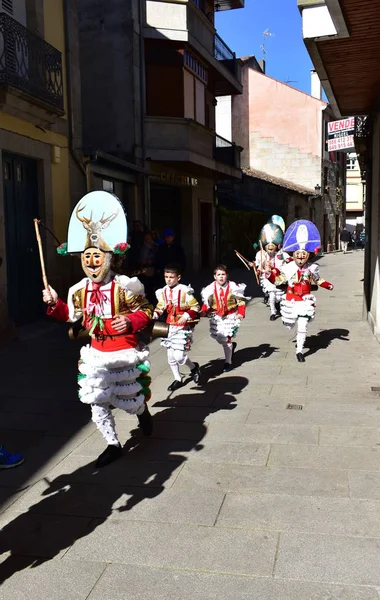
(243, 260)
(246, 264)
(39, 242)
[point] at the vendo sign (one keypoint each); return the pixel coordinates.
(340, 135)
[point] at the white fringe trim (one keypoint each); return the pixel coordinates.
(113, 360)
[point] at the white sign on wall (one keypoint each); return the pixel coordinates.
(341, 135)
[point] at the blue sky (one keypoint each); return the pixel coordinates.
(287, 59)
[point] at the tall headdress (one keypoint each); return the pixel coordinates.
(277, 220)
(98, 221)
(271, 234)
(302, 235)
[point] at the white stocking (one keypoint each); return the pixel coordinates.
(272, 302)
(173, 364)
(227, 347)
(301, 333)
(103, 419)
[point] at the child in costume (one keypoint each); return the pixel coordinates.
(298, 306)
(224, 300)
(180, 306)
(113, 368)
(268, 259)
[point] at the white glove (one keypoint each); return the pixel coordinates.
(50, 296)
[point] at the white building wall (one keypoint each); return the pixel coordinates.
(223, 116)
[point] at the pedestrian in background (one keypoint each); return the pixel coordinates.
(344, 239)
(362, 239)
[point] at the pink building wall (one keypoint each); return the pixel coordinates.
(284, 133)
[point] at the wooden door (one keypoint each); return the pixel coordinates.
(23, 269)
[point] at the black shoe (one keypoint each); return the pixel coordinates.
(174, 386)
(110, 454)
(266, 299)
(300, 357)
(195, 373)
(227, 367)
(146, 422)
(272, 318)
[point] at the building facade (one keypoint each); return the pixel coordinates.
(335, 33)
(162, 66)
(355, 190)
(41, 174)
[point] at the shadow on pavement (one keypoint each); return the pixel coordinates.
(76, 503)
(323, 339)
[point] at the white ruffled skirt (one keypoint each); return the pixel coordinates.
(119, 378)
(222, 329)
(179, 338)
(291, 310)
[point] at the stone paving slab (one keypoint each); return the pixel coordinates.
(330, 516)
(115, 501)
(264, 434)
(145, 583)
(352, 436)
(56, 579)
(179, 547)
(244, 479)
(319, 417)
(364, 484)
(325, 457)
(329, 559)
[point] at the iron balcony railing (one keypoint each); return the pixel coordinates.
(30, 64)
(227, 152)
(225, 55)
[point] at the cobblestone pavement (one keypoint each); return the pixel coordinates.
(234, 497)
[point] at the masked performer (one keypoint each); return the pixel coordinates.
(269, 260)
(113, 369)
(302, 239)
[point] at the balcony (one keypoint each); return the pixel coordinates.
(227, 152)
(180, 140)
(185, 23)
(30, 71)
(227, 58)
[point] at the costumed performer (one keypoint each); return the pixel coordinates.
(177, 302)
(302, 239)
(225, 303)
(113, 369)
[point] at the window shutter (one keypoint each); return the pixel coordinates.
(7, 6)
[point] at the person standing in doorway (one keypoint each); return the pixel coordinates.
(344, 239)
(170, 252)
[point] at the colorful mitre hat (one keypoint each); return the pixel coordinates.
(271, 234)
(302, 235)
(277, 220)
(97, 221)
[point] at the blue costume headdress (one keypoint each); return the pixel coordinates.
(302, 235)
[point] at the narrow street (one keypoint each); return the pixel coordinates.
(234, 497)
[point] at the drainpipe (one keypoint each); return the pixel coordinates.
(145, 184)
(70, 113)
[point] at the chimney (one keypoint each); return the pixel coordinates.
(262, 64)
(316, 86)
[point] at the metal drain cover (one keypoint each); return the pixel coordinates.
(295, 406)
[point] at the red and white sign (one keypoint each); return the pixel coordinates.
(340, 135)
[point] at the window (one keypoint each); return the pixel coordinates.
(194, 98)
(200, 102)
(195, 66)
(351, 162)
(108, 186)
